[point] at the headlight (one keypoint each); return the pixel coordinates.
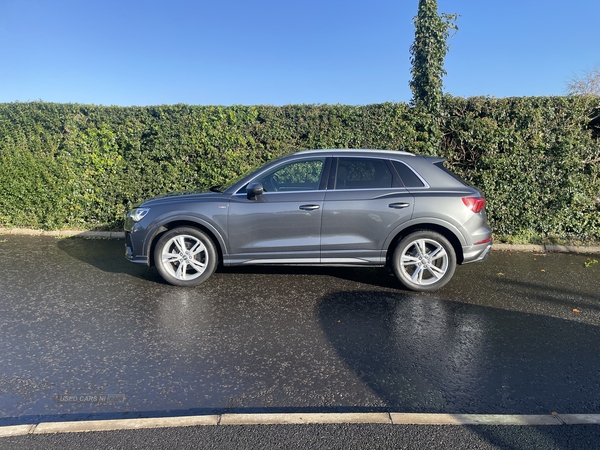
(138, 214)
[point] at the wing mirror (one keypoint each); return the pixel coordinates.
(253, 190)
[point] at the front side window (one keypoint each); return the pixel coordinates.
(363, 173)
(302, 175)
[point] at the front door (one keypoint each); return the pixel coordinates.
(283, 225)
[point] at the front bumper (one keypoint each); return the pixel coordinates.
(130, 250)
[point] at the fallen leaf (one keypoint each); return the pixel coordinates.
(576, 310)
(501, 274)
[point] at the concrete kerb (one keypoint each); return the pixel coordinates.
(474, 419)
(121, 235)
(124, 424)
(303, 418)
(391, 419)
(63, 233)
(547, 248)
(16, 430)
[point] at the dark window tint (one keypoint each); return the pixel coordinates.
(295, 176)
(409, 178)
(362, 173)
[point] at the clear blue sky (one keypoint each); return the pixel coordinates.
(224, 52)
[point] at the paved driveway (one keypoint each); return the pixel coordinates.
(85, 334)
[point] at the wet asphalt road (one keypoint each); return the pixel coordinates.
(77, 320)
(341, 436)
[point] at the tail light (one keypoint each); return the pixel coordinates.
(475, 204)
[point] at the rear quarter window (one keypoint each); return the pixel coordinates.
(409, 178)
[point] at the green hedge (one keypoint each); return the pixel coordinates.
(536, 159)
(82, 166)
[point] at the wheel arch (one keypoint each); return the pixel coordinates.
(184, 222)
(445, 231)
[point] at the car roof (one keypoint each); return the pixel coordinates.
(365, 151)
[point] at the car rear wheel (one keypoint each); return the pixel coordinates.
(424, 261)
(185, 256)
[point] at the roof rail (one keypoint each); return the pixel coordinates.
(353, 150)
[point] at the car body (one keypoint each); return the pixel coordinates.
(320, 207)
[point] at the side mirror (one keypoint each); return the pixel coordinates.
(253, 190)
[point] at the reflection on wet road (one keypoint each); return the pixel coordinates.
(78, 322)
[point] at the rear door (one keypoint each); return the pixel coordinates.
(365, 202)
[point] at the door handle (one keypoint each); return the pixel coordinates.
(399, 205)
(309, 207)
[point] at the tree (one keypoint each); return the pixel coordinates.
(427, 59)
(586, 84)
(427, 54)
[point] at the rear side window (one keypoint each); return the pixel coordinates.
(409, 178)
(363, 173)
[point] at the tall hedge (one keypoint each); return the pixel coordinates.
(69, 165)
(536, 159)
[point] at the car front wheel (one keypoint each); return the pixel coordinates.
(185, 256)
(424, 261)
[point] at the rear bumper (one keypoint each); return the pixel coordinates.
(476, 253)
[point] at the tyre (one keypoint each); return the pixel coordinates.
(424, 261)
(185, 256)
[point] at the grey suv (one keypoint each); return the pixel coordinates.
(319, 207)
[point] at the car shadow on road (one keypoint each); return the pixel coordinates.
(422, 353)
(562, 296)
(377, 277)
(108, 256)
